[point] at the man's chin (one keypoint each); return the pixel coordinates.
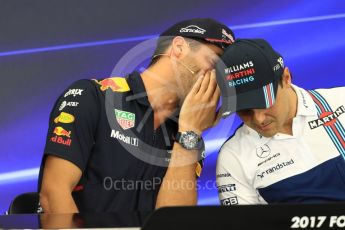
(267, 133)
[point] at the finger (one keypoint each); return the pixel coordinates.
(212, 86)
(219, 113)
(205, 82)
(218, 117)
(214, 99)
(200, 73)
(197, 85)
(216, 94)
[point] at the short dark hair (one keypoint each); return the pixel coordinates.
(164, 42)
(162, 45)
(281, 80)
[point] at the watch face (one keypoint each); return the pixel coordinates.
(189, 140)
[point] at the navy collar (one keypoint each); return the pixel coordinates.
(137, 86)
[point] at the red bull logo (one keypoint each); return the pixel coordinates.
(59, 134)
(62, 132)
(60, 140)
(116, 84)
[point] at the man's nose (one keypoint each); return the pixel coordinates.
(259, 116)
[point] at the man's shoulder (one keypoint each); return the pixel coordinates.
(79, 88)
(335, 90)
(100, 85)
(95, 88)
(326, 91)
(329, 96)
(113, 83)
(237, 141)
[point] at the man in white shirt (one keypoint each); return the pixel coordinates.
(291, 147)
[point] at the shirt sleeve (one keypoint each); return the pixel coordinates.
(73, 123)
(233, 186)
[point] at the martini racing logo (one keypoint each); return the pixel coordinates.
(327, 118)
(240, 74)
(125, 119)
(192, 29)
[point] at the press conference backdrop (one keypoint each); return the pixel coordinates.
(46, 45)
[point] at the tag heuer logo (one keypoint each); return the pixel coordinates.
(125, 119)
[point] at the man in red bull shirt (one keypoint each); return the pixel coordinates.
(134, 143)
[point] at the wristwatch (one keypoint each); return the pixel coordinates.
(190, 140)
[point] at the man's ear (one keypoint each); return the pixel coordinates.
(178, 47)
(286, 78)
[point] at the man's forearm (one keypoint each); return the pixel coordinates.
(179, 184)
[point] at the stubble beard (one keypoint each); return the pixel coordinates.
(185, 82)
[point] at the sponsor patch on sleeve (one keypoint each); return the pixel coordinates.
(64, 118)
(116, 84)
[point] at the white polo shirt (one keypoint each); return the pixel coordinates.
(307, 167)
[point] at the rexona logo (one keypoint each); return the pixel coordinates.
(192, 29)
(125, 119)
(327, 118)
(126, 139)
(64, 118)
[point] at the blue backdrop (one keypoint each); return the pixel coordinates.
(45, 47)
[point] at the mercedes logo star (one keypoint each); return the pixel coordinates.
(263, 151)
